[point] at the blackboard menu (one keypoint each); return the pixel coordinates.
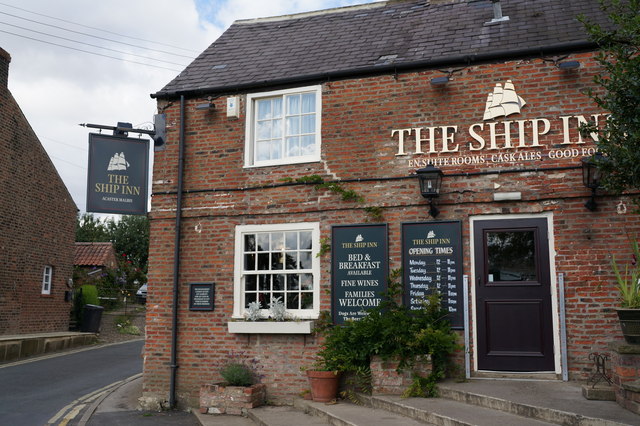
(360, 267)
(432, 261)
(201, 297)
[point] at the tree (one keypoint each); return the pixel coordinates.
(91, 230)
(619, 136)
(129, 235)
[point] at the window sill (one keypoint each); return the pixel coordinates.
(271, 327)
(283, 163)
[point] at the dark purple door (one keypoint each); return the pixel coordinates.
(513, 295)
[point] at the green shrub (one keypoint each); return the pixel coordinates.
(89, 295)
(237, 374)
(391, 330)
(85, 295)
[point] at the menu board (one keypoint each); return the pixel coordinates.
(359, 269)
(432, 261)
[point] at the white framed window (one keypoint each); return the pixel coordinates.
(47, 276)
(278, 261)
(283, 127)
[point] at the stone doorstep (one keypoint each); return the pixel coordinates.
(393, 411)
(633, 386)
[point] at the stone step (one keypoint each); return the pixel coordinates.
(477, 402)
(309, 413)
(553, 402)
(445, 412)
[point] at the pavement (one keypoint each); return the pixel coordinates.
(120, 408)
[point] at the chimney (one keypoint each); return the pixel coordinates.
(497, 14)
(5, 58)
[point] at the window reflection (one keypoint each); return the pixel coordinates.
(511, 256)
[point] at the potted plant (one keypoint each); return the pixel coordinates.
(238, 393)
(629, 288)
(324, 374)
(323, 384)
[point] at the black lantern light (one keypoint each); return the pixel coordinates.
(591, 176)
(430, 178)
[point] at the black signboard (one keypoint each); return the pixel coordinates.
(432, 261)
(118, 174)
(201, 296)
(360, 266)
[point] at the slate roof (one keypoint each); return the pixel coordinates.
(379, 38)
(95, 254)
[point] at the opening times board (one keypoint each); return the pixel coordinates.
(432, 261)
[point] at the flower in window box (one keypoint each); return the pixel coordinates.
(278, 310)
(253, 312)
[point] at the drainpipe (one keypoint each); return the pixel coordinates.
(176, 263)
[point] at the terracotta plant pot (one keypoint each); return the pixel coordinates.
(630, 324)
(324, 385)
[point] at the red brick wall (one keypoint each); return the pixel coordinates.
(37, 226)
(358, 117)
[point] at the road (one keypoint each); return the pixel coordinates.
(35, 392)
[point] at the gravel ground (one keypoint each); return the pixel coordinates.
(110, 333)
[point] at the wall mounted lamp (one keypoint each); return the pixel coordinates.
(440, 81)
(443, 80)
(561, 64)
(430, 179)
(568, 65)
(591, 177)
(209, 105)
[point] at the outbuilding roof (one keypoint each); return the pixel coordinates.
(95, 254)
(380, 38)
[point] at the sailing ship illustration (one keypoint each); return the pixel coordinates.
(118, 162)
(503, 102)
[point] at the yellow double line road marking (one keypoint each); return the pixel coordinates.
(71, 410)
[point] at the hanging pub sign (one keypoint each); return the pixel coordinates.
(432, 261)
(360, 267)
(118, 171)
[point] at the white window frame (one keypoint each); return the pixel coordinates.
(250, 152)
(238, 297)
(47, 279)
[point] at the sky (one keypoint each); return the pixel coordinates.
(74, 61)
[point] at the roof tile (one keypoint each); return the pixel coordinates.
(95, 254)
(354, 38)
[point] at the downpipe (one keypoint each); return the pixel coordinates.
(176, 263)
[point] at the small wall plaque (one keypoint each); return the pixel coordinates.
(201, 296)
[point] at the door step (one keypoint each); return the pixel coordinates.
(477, 402)
(554, 402)
(310, 413)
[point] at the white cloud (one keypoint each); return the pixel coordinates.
(59, 88)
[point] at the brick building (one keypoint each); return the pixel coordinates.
(37, 227)
(365, 96)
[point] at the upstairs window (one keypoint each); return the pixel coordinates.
(283, 127)
(47, 276)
